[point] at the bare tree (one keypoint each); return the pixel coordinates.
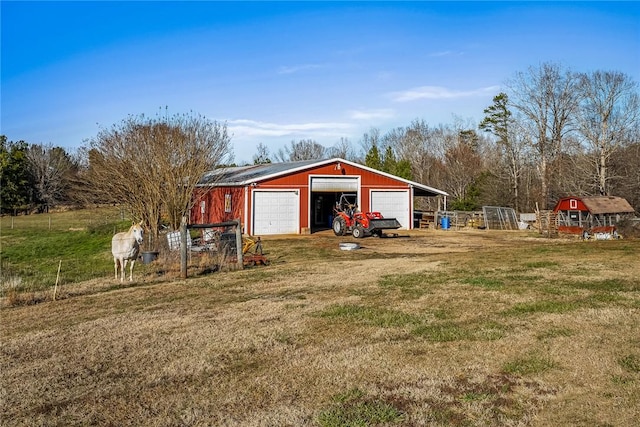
(609, 111)
(50, 168)
(369, 140)
(262, 155)
(463, 167)
(423, 147)
(343, 149)
(627, 162)
(547, 97)
(153, 164)
(305, 149)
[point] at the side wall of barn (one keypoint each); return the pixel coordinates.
(214, 205)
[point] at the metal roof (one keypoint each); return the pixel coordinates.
(246, 175)
(607, 205)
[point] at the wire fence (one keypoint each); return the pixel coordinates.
(69, 220)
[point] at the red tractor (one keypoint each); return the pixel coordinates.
(348, 219)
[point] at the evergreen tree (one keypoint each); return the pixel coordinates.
(390, 164)
(403, 169)
(372, 159)
(388, 160)
(499, 122)
(15, 182)
(497, 119)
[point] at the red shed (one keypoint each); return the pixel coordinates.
(594, 214)
(298, 197)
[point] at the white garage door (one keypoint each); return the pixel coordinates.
(392, 204)
(335, 184)
(276, 212)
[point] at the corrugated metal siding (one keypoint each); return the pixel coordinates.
(301, 179)
(256, 174)
(215, 200)
(368, 179)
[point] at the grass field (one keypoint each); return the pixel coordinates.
(34, 246)
(462, 328)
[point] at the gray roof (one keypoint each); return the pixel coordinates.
(246, 175)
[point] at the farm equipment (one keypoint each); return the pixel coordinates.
(255, 258)
(348, 219)
(251, 249)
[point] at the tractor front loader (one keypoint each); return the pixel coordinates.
(349, 220)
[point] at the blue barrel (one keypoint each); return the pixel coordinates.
(444, 222)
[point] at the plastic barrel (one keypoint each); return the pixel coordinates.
(444, 223)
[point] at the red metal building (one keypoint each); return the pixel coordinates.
(298, 197)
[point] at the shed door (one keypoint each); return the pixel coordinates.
(392, 204)
(276, 212)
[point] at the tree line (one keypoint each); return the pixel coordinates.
(551, 133)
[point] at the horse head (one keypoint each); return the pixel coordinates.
(138, 232)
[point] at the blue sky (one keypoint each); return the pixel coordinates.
(282, 71)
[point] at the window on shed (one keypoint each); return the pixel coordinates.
(227, 203)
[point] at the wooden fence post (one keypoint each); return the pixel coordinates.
(55, 288)
(183, 247)
(239, 253)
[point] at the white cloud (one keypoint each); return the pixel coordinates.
(445, 53)
(291, 69)
(438, 92)
(242, 128)
(383, 113)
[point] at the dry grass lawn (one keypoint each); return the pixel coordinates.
(462, 328)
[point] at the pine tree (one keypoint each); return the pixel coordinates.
(372, 159)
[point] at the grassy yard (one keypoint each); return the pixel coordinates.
(462, 328)
(32, 247)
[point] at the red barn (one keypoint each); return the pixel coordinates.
(298, 197)
(591, 214)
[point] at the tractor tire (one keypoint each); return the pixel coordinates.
(339, 226)
(358, 232)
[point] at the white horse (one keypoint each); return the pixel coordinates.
(125, 247)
